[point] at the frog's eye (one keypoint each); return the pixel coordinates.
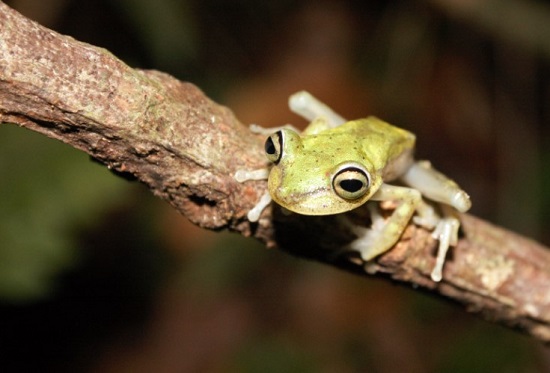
(274, 147)
(351, 182)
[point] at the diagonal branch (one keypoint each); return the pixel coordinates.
(186, 148)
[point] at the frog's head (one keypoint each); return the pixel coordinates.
(318, 175)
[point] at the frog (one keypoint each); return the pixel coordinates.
(334, 166)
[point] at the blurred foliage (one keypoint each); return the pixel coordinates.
(48, 190)
(166, 28)
(96, 274)
(503, 355)
(273, 356)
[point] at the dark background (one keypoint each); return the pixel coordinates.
(96, 275)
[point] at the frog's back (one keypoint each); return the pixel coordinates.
(383, 144)
(373, 126)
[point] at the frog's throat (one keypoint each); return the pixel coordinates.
(316, 203)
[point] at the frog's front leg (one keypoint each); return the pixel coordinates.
(383, 234)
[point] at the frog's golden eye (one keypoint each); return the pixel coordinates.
(351, 182)
(274, 147)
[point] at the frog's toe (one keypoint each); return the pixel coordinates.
(447, 229)
(446, 232)
(254, 213)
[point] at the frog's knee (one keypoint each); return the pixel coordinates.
(461, 201)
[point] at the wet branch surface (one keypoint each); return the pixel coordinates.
(185, 148)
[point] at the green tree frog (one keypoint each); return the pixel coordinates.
(335, 166)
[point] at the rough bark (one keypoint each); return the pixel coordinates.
(186, 148)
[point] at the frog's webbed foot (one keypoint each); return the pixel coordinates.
(254, 214)
(261, 174)
(444, 229)
(446, 232)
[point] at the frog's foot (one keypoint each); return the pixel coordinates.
(446, 232)
(444, 229)
(254, 213)
(262, 174)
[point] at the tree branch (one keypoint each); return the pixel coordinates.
(186, 148)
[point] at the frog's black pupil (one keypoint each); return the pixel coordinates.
(351, 185)
(269, 146)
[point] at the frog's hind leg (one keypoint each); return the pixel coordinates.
(310, 108)
(436, 186)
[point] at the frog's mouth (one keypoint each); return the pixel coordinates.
(316, 202)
